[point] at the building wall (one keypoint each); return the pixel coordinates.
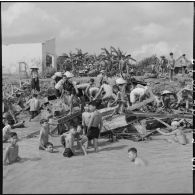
(48, 48)
(30, 53)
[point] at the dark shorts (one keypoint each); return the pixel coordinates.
(93, 133)
(68, 153)
(33, 114)
(58, 92)
(35, 84)
(80, 93)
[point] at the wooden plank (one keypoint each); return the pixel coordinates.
(164, 115)
(67, 118)
(107, 111)
(140, 104)
(167, 125)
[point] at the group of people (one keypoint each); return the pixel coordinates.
(168, 65)
(96, 93)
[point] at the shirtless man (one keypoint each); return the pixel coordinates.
(108, 92)
(69, 140)
(44, 135)
(91, 90)
(95, 125)
(132, 154)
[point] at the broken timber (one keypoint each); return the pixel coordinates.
(67, 118)
(140, 104)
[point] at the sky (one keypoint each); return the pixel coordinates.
(139, 28)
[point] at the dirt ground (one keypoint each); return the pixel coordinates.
(168, 170)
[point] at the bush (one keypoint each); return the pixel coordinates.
(49, 72)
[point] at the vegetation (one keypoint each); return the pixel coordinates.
(112, 60)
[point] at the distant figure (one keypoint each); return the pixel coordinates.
(184, 64)
(11, 153)
(132, 154)
(171, 66)
(44, 143)
(185, 95)
(102, 77)
(35, 79)
(163, 64)
(34, 106)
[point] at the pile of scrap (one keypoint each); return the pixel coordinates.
(138, 125)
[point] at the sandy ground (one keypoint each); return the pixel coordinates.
(169, 169)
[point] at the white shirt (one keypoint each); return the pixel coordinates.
(136, 92)
(59, 84)
(107, 88)
(34, 104)
(6, 131)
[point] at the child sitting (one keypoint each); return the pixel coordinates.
(11, 154)
(177, 132)
(49, 147)
(6, 130)
(132, 154)
(67, 140)
(44, 135)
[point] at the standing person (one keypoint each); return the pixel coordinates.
(44, 135)
(102, 77)
(184, 64)
(34, 106)
(95, 125)
(171, 66)
(35, 79)
(163, 64)
(86, 118)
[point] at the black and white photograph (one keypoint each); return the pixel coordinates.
(97, 97)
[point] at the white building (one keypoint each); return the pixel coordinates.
(29, 53)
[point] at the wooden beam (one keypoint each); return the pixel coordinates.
(159, 115)
(140, 104)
